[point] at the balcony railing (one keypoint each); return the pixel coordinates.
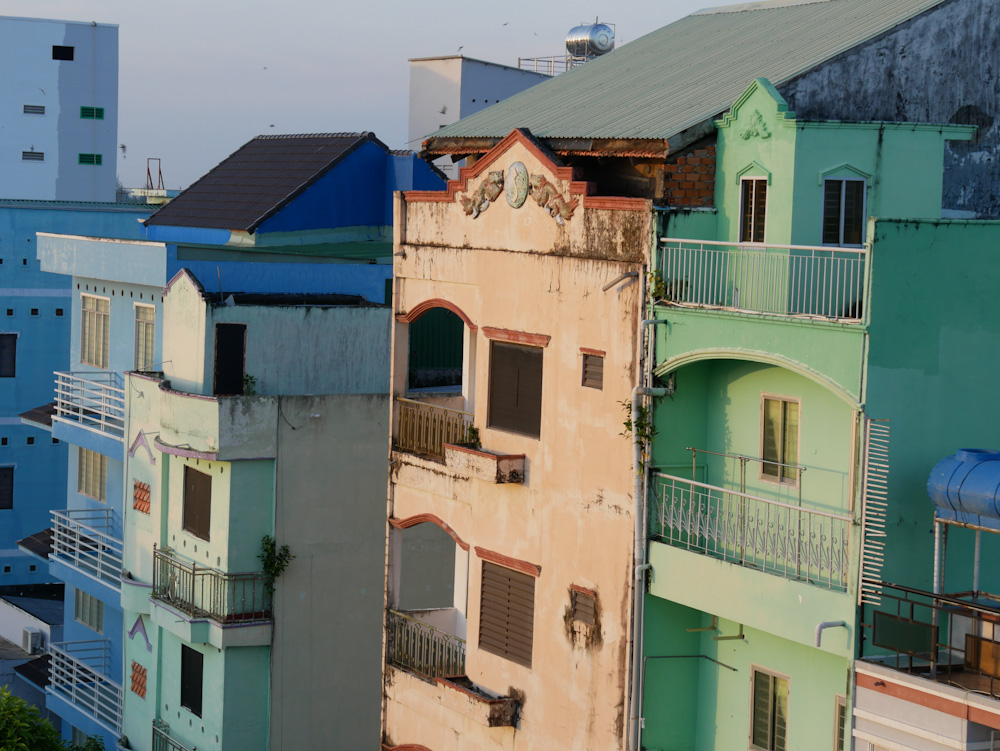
(551, 65)
(78, 672)
(162, 740)
(419, 647)
(94, 399)
(206, 593)
(425, 428)
(774, 537)
(790, 280)
(80, 538)
(952, 639)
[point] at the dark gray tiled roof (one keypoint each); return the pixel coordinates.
(39, 543)
(40, 415)
(36, 671)
(258, 179)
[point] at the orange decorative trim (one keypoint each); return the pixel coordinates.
(517, 337)
(435, 302)
(595, 352)
(412, 521)
(500, 559)
(931, 701)
(617, 203)
(583, 590)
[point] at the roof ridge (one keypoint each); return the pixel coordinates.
(344, 134)
(758, 5)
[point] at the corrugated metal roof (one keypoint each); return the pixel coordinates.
(258, 179)
(690, 71)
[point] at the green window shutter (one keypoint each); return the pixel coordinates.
(93, 159)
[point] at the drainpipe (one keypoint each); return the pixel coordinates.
(825, 625)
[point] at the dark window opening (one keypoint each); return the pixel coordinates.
(59, 312)
(753, 211)
(506, 623)
(230, 358)
(843, 212)
(515, 388)
(197, 502)
(34, 109)
(34, 311)
(192, 672)
(6, 487)
(60, 52)
(8, 355)
(31, 440)
(435, 358)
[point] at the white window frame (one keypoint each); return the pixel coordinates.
(105, 344)
(840, 704)
(85, 608)
(843, 196)
(754, 669)
(739, 226)
(98, 480)
(780, 479)
(142, 365)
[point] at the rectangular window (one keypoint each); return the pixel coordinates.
(6, 488)
(8, 355)
(60, 52)
(843, 212)
(515, 388)
(593, 371)
(95, 334)
(769, 711)
(94, 159)
(89, 611)
(92, 113)
(780, 439)
(32, 156)
(197, 502)
(584, 607)
(753, 210)
(840, 723)
(506, 623)
(92, 475)
(145, 322)
(192, 672)
(34, 109)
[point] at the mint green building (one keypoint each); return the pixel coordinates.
(787, 468)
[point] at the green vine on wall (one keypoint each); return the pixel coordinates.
(274, 559)
(642, 431)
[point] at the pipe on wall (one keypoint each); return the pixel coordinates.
(823, 625)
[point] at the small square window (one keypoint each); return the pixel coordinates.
(32, 568)
(593, 370)
(6, 569)
(3, 441)
(59, 312)
(55, 440)
(10, 312)
(31, 440)
(34, 311)
(60, 52)
(584, 606)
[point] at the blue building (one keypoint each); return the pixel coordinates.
(283, 214)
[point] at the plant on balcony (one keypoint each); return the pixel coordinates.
(665, 290)
(472, 438)
(274, 559)
(643, 429)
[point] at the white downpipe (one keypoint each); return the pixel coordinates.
(823, 625)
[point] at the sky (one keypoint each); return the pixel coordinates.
(199, 78)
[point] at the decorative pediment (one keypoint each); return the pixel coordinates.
(746, 112)
(754, 169)
(755, 128)
(140, 440)
(140, 628)
(843, 170)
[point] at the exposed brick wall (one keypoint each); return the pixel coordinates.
(140, 497)
(689, 180)
(138, 680)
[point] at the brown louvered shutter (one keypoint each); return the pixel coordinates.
(197, 502)
(506, 623)
(6, 487)
(515, 388)
(584, 607)
(593, 371)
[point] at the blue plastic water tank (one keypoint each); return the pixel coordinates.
(965, 487)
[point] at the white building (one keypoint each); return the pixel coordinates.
(58, 109)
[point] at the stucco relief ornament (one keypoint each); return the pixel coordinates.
(547, 196)
(517, 185)
(756, 127)
(484, 195)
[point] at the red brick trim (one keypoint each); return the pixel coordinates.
(617, 203)
(500, 559)
(931, 701)
(595, 352)
(583, 590)
(138, 680)
(412, 521)
(437, 302)
(517, 337)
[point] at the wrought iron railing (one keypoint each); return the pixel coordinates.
(94, 399)
(425, 428)
(78, 672)
(775, 537)
(795, 280)
(948, 638)
(162, 740)
(81, 538)
(204, 592)
(419, 647)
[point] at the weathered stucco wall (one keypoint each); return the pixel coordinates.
(926, 70)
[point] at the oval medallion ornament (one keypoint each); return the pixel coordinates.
(517, 185)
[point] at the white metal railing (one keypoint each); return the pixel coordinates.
(162, 740)
(82, 538)
(551, 65)
(794, 280)
(425, 428)
(94, 399)
(775, 537)
(78, 672)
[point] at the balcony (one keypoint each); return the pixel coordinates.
(162, 740)
(768, 535)
(422, 648)
(424, 428)
(81, 538)
(811, 282)
(78, 673)
(94, 400)
(207, 593)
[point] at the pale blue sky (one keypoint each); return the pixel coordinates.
(200, 78)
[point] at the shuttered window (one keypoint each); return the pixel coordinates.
(88, 610)
(95, 330)
(515, 388)
(192, 672)
(584, 607)
(197, 502)
(145, 327)
(34, 109)
(593, 371)
(94, 159)
(92, 113)
(769, 714)
(92, 475)
(32, 156)
(8, 355)
(506, 623)
(6, 487)
(753, 210)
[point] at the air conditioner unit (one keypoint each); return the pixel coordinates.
(31, 640)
